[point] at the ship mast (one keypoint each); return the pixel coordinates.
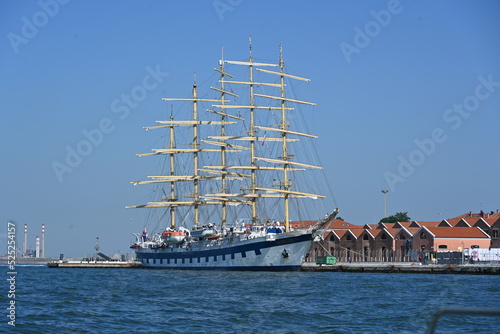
(196, 144)
(284, 187)
(223, 147)
(252, 135)
(287, 165)
(283, 164)
(286, 183)
(195, 177)
(172, 173)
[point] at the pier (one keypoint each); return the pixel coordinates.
(404, 267)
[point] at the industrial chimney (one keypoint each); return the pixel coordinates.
(25, 246)
(37, 250)
(42, 252)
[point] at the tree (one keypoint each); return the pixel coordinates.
(398, 217)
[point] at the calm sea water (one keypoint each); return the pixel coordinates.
(157, 301)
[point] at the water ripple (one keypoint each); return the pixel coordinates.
(158, 301)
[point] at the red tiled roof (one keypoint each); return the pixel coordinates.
(392, 231)
(357, 232)
(412, 230)
(340, 233)
(340, 224)
(491, 214)
(456, 221)
(490, 221)
(449, 222)
(371, 226)
(403, 224)
(457, 232)
(303, 223)
(427, 223)
(409, 230)
(334, 224)
(481, 222)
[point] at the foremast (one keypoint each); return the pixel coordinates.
(286, 183)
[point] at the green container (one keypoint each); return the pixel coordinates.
(326, 260)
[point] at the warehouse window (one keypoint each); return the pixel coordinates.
(443, 247)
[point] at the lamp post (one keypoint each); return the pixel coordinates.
(96, 248)
(385, 201)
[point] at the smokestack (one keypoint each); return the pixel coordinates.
(42, 252)
(37, 250)
(25, 246)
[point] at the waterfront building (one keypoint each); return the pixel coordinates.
(490, 225)
(449, 238)
(406, 241)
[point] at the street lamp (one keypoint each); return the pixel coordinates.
(385, 201)
(96, 248)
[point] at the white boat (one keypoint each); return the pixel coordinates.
(225, 176)
(173, 237)
(204, 232)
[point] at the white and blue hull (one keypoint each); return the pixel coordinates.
(280, 252)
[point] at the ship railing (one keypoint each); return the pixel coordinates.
(219, 242)
(460, 311)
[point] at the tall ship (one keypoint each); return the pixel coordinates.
(231, 187)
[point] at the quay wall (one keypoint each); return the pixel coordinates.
(404, 267)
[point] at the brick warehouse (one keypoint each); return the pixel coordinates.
(405, 241)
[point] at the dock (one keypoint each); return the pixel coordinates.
(28, 260)
(404, 267)
(95, 264)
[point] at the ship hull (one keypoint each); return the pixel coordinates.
(271, 253)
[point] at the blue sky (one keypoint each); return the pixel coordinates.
(407, 94)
